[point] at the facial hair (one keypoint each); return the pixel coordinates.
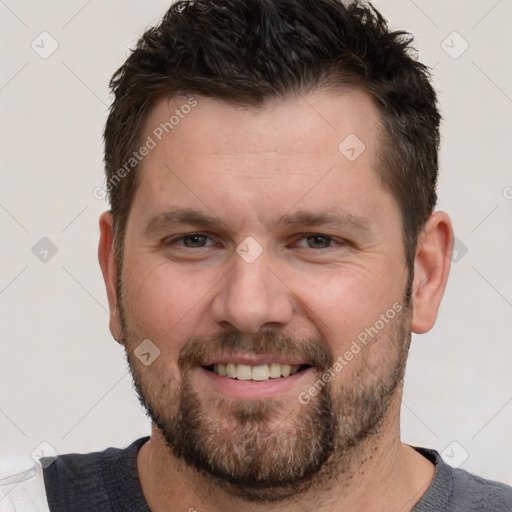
(270, 450)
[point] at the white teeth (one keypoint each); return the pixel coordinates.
(257, 373)
(260, 372)
(243, 372)
(274, 370)
(231, 370)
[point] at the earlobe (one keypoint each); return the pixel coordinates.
(108, 264)
(431, 269)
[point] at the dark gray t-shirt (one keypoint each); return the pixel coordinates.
(108, 482)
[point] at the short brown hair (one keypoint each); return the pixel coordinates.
(248, 51)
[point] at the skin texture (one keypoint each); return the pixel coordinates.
(250, 169)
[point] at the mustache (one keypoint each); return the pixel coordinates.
(314, 351)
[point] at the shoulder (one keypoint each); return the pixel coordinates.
(479, 494)
(83, 465)
(86, 462)
(457, 490)
(94, 481)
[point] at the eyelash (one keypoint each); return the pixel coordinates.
(179, 238)
(332, 240)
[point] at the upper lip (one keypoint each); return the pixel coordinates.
(253, 359)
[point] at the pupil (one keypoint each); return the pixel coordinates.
(316, 240)
(195, 240)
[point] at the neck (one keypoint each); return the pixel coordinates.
(381, 474)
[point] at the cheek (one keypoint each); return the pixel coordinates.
(345, 302)
(161, 302)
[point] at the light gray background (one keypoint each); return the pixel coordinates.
(63, 378)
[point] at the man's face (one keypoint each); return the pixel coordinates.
(253, 240)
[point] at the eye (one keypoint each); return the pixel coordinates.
(317, 241)
(190, 240)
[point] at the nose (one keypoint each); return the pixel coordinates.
(252, 296)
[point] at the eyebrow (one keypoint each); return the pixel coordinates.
(304, 218)
(172, 217)
(307, 218)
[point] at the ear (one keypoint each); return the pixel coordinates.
(108, 264)
(431, 269)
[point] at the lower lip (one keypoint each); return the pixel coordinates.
(256, 390)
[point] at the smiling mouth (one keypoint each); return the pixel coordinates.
(255, 373)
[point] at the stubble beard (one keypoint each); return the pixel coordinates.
(270, 451)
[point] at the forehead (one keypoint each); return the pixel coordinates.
(314, 121)
(303, 148)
